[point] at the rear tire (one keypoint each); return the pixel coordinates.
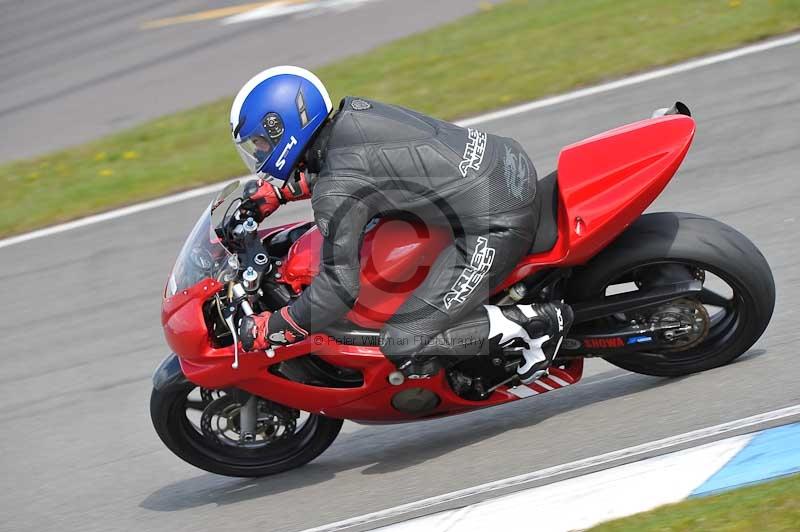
(698, 242)
(168, 410)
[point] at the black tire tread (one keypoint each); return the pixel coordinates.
(691, 237)
(163, 416)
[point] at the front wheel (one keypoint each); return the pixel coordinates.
(723, 321)
(203, 427)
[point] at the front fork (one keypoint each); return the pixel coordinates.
(248, 415)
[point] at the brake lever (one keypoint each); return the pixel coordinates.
(236, 294)
(228, 314)
(240, 296)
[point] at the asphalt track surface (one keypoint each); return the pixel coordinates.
(81, 337)
(74, 70)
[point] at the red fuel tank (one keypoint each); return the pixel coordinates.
(396, 256)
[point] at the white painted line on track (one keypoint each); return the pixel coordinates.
(279, 9)
(568, 468)
(504, 113)
(634, 80)
(110, 215)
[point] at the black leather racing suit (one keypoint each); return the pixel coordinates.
(374, 159)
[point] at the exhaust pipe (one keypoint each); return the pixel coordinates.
(679, 108)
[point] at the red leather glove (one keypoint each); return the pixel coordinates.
(262, 196)
(253, 332)
(260, 331)
(297, 189)
(265, 197)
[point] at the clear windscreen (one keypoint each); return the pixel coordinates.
(203, 254)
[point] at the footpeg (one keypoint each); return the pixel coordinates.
(416, 369)
(535, 377)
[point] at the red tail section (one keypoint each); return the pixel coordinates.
(605, 182)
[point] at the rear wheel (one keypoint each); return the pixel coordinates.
(721, 323)
(203, 427)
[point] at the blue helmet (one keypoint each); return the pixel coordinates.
(275, 116)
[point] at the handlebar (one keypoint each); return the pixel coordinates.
(240, 236)
(239, 297)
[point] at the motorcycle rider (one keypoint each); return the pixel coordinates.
(370, 159)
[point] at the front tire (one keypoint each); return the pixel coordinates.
(185, 437)
(699, 244)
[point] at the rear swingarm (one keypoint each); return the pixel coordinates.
(636, 335)
(633, 338)
(636, 300)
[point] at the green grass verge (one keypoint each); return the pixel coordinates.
(770, 507)
(499, 56)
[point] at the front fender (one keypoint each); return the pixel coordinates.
(169, 374)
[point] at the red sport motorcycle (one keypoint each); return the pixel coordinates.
(659, 294)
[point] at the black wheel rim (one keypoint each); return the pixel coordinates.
(241, 457)
(728, 314)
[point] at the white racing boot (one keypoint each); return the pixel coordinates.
(541, 327)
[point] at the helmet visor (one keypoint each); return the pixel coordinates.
(254, 151)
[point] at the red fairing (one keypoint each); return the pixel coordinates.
(182, 318)
(371, 402)
(605, 183)
(186, 333)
